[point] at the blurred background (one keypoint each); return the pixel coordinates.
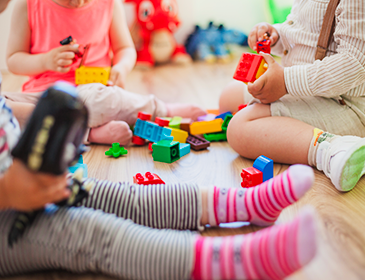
(239, 14)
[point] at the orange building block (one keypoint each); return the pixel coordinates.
(206, 127)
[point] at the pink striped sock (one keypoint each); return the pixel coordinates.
(260, 205)
(272, 253)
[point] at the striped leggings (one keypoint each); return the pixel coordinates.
(122, 230)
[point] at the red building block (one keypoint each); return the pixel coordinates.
(263, 46)
(162, 122)
(242, 106)
(138, 141)
(144, 116)
(250, 67)
(148, 179)
(150, 146)
(251, 177)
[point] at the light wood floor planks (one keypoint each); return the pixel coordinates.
(341, 237)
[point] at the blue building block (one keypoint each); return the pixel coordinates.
(152, 131)
(184, 149)
(223, 115)
(266, 166)
(80, 163)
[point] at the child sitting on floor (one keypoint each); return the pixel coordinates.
(294, 105)
(34, 49)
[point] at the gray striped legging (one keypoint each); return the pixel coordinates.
(88, 239)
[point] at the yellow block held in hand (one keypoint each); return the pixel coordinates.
(88, 75)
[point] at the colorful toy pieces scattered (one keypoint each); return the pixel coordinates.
(262, 170)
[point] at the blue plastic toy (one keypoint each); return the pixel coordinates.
(184, 149)
(79, 164)
(212, 43)
(266, 166)
(151, 131)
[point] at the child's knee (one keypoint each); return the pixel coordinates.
(232, 96)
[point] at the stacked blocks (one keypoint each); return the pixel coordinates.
(250, 68)
(220, 136)
(148, 179)
(262, 170)
(166, 151)
(87, 75)
(80, 164)
(116, 151)
(263, 46)
(266, 166)
(151, 131)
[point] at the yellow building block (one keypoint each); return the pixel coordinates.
(88, 75)
(262, 69)
(179, 135)
(206, 127)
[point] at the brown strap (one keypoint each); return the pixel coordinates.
(328, 27)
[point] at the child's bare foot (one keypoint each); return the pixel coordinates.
(111, 132)
(184, 110)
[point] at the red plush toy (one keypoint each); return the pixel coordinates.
(156, 22)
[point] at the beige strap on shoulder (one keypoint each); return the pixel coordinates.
(328, 27)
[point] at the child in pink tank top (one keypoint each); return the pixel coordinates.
(34, 50)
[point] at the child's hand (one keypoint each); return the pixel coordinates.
(257, 34)
(60, 59)
(24, 190)
(271, 85)
(118, 75)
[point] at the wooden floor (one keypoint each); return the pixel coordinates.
(341, 237)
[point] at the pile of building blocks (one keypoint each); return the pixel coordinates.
(147, 179)
(116, 151)
(80, 164)
(261, 171)
(168, 140)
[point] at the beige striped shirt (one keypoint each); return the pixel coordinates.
(342, 72)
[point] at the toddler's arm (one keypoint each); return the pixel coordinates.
(20, 61)
(122, 45)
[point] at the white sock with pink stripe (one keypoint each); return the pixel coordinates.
(271, 253)
(260, 205)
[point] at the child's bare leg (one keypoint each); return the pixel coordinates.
(111, 132)
(232, 96)
(254, 132)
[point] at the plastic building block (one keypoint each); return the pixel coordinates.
(197, 143)
(179, 135)
(251, 177)
(250, 67)
(116, 151)
(87, 75)
(263, 46)
(138, 141)
(185, 124)
(144, 116)
(148, 179)
(175, 122)
(166, 151)
(242, 106)
(223, 115)
(80, 164)
(151, 131)
(206, 127)
(213, 111)
(266, 166)
(207, 118)
(162, 122)
(150, 146)
(184, 149)
(219, 136)
(226, 121)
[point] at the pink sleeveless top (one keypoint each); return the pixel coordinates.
(50, 23)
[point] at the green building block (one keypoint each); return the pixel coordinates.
(166, 151)
(220, 136)
(226, 121)
(175, 122)
(116, 151)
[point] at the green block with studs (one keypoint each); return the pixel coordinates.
(166, 151)
(220, 136)
(226, 121)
